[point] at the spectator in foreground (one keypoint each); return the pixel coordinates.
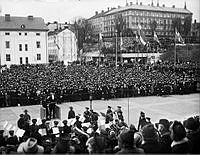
(126, 144)
(193, 134)
(180, 143)
(30, 146)
(150, 142)
(164, 135)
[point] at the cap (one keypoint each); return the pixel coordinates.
(109, 106)
(56, 122)
(142, 113)
(165, 123)
(119, 107)
(25, 110)
(71, 107)
(64, 121)
(86, 108)
(77, 117)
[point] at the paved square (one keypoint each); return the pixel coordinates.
(173, 107)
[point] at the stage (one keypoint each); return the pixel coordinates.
(173, 107)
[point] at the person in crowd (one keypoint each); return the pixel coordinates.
(27, 117)
(126, 144)
(142, 120)
(52, 105)
(71, 113)
(180, 143)
(192, 127)
(12, 139)
(86, 114)
(164, 135)
(21, 121)
(109, 115)
(78, 123)
(30, 147)
(2, 138)
(150, 142)
(119, 113)
(66, 129)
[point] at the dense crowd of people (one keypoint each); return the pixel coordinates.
(31, 84)
(113, 137)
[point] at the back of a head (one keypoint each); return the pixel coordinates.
(149, 133)
(126, 139)
(178, 131)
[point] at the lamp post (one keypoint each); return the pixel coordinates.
(116, 50)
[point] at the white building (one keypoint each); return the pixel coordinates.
(62, 46)
(23, 40)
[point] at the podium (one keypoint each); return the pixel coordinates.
(57, 112)
(42, 113)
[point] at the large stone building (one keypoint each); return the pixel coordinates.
(134, 14)
(23, 40)
(62, 46)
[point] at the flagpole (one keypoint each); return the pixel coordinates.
(116, 51)
(128, 110)
(175, 48)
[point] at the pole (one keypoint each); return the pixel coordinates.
(128, 110)
(175, 48)
(90, 102)
(116, 52)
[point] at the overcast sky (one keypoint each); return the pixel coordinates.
(67, 10)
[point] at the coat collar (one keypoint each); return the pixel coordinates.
(184, 140)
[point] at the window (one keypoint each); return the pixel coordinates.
(7, 57)
(20, 33)
(26, 60)
(37, 34)
(7, 33)
(38, 56)
(26, 47)
(7, 44)
(20, 60)
(25, 34)
(38, 44)
(20, 47)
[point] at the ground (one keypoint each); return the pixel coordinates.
(174, 107)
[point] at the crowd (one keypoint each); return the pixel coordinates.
(114, 137)
(31, 84)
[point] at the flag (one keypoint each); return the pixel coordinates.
(155, 37)
(178, 37)
(141, 35)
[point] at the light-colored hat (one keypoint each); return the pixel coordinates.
(30, 146)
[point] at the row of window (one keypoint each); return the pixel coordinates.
(38, 45)
(8, 58)
(8, 33)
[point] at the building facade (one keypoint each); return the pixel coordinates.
(145, 15)
(23, 40)
(62, 46)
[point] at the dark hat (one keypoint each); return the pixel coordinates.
(126, 138)
(1, 131)
(149, 132)
(191, 124)
(25, 110)
(142, 113)
(43, 120)
(71, 107)
(165, 123)
(64, 121)
(77, 117)
(86, 108)
(109, 106)
(56, 122)
(11, 132)
(34, 120)
(119, 107)
(21, 115)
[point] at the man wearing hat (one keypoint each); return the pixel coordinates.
(142, 120)
(109, 115)
(2, 139)
(12, 139)
(30, 146)
(119, 113)
(71, 113)
(164, 135)
(86, 114)
(78, 123)
(27, 117)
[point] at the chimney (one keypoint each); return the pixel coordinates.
(195, 21)
(108, 9)
(96, 12)
(137, 2)
(163, 5)
(152, 3)
(7, 17)
(157, 2)
(102, 11)
(173, 6)
(30, 17)
(131, 3)
(126, 4)
(185, 7)
(140, 3)
(118, 6)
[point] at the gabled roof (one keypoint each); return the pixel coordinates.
(15, 23)
(51, 33)
(98, 15)
(150, 8)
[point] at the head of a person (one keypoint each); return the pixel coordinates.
(43, 121)
(56, 123)
(64, 122)
(1, 132)
(178, 131)
(30, 146)
(86, 108)
(11, 132)
(191, 124)
(119, 107)
(21, 115)
(126, 139)
(109, 107)
(77, 117)
(25, 111)
(138, 139)
(142, 114)
(163, 125)
(34, 121)
(71, 108)
(149, 133)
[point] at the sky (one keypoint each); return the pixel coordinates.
(69, 10)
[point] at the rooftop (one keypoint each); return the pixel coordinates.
(29, 23)
(149, 7)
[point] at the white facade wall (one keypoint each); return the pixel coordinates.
(30, 39)
(63, 45)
